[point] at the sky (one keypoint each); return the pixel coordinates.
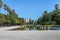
(31, 8)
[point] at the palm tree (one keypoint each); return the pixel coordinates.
(5, 7)
(56, 6)
(0, 5)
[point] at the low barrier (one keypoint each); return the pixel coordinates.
(43, 27)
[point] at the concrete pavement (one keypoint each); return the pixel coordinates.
(30, 35)
(8, 28)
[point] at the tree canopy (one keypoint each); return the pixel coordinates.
(11, 18)
(50, 18)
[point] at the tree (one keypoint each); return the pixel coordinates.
(5, 7)
(11, 18)
(56, 6)
(0, 5)
(51, 18)
(39, 21)
(45, 16)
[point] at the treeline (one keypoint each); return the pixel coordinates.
(50, 18)
(11, 18)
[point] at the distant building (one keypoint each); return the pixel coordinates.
(29, 21)
(26, 20)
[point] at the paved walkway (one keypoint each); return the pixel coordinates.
(7, 28)
(29, 35)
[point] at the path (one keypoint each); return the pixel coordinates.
(29, 35)
(7, 28)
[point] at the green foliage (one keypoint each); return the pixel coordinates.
(1, 3)
(11, 18)
(50, 18)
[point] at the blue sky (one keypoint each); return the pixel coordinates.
(31, 8)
